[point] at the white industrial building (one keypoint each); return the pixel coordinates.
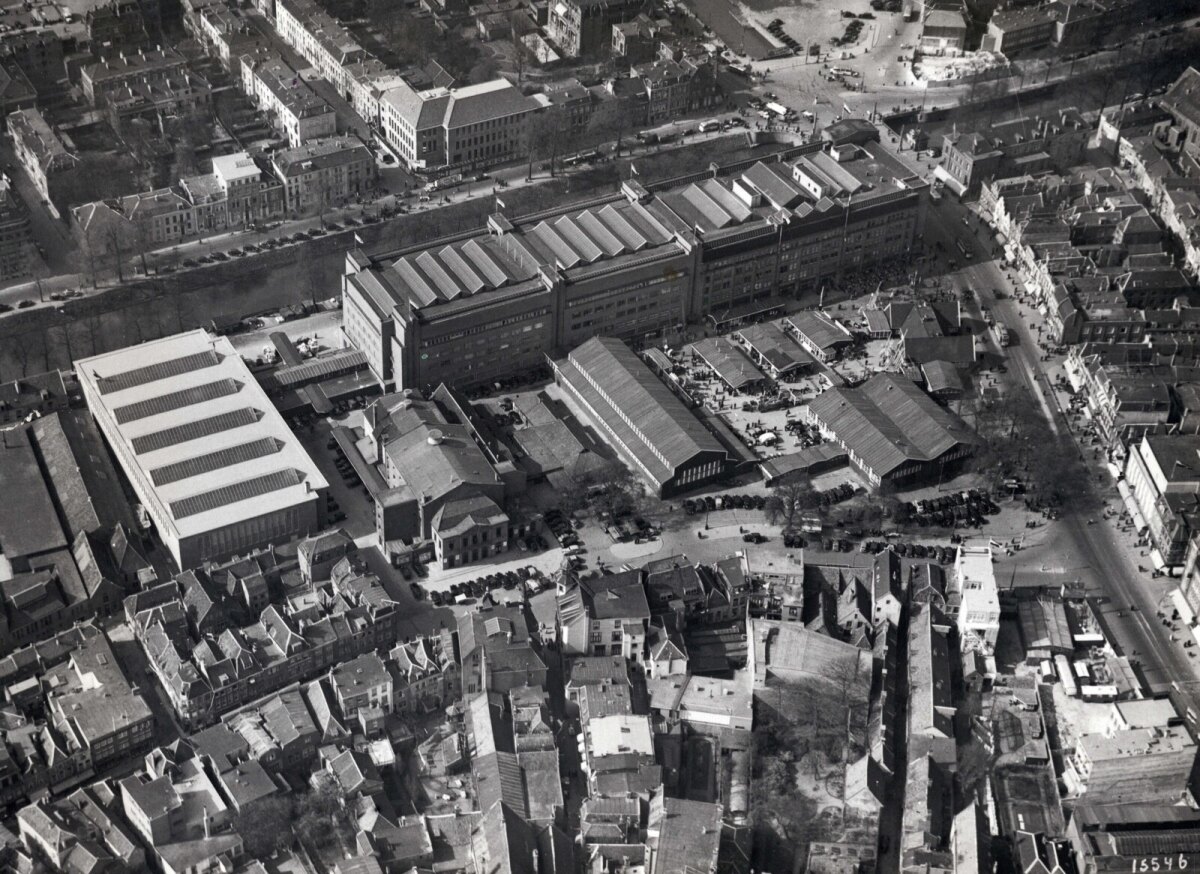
(213, 463)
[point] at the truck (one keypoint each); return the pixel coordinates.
(1000, 332)
(779, 109)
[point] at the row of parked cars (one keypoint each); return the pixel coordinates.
(561, 527)
(940, 554)
(344, 468)
(969, 508)
(269, 244)
(711, 503)
(836, 495)
(477, 588)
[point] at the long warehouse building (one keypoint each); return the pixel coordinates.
(213, 463)
(486, 304)
(640, 417)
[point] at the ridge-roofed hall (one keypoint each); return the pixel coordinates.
(211, 460)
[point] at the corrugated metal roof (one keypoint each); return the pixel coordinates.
(728, 361)
(888, 421)
(639, 405)
(317, 368)
(819, 329)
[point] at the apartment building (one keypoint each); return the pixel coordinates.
(320, 39)
(73, 713)
(496, 653)
(476, 125)
(676, 88)
(111, 78)
(978, 610)
(228, 34)
(15, 259)
(1162, 477)
(41, 151)
(480, 305)
(252, 194)
(1142, 765)
(583, 28)
(364, 682)
(605, 616)
(1022, 29)
(293, 107)
(1014, 147)
(237, 193)
(289, 643)
(323, 173)
(1182, 100)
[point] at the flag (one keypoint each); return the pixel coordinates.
(632, 169)
(847, 108)
(358, 241)
(499, 204)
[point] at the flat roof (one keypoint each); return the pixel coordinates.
(1148, 712)
(977, 580)
(620, 734)
(205, 440)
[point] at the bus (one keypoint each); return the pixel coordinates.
(1000, 332)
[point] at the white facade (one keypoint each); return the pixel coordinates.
(979, 605)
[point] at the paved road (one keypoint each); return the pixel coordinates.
(1091, 552)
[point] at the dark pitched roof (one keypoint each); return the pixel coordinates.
(888, 422)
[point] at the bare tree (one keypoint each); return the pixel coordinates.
(547, 135)
(614, 118)
(114, 237)
(27, 347)
(91, 325)
(38, 269)
(520, 26)
(789, 501)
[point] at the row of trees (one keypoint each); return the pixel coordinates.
(1017, 441)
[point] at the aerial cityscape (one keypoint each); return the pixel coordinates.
(600, 436)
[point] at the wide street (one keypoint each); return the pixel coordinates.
(1098, 554)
